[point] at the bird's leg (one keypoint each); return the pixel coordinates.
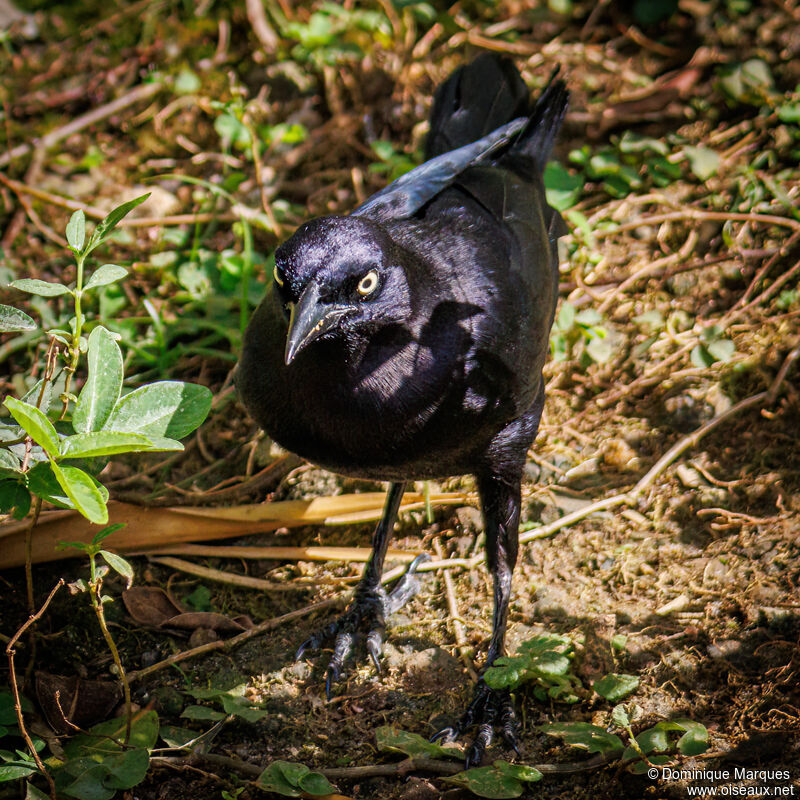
(493, 708)
(372, 604)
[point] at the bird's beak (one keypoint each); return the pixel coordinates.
(308, 320)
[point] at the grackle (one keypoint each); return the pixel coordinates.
(406, 340)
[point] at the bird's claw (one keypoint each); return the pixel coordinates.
(369, 610)
(489, 709)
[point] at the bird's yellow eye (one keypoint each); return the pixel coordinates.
(368, 284)
(276, 276)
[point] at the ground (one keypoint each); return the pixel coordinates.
(679, 182)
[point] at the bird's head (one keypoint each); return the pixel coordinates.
(338, 276)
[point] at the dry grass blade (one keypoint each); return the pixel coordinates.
(153, 527)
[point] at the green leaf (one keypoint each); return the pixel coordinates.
(104, 533)
(614, 687)
(105, 227)
(232, 131)
(700, 357)
(202, 712)
(750, 82)
(144, 734)
(165, 408)
(274, 779)
(76, 230)
(566, 317)
(102, 276)
(558, 347)
(695, 740)
(14, 499)
(11, 772)
(585, 736)
(42, 482)
(722, 349)
(315, 783)
(175, 736)
(242, 708)
(652, 319)
(522, 772)
(35, 424)
(562, 188)
(641, 767)
(104, 443)
(119, 565)
(600, 350)
(619, 716)
(631, 142)
(101, 391)
(8, 460)
(88, 782)
(32, 793)
(12, 320)
(487, 782)
(82, 491)
(506, 671)
(588, 317)
(33, 394)
(389, 739)
(186, 82)
(703, 161)
(101, 765)
(42, 288)
(653, 740)
(789, 112)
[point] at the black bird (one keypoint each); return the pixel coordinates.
(406, 340)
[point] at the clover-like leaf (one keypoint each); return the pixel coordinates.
(393, 740)
(487, 782)
(614, 687)
(585, 736)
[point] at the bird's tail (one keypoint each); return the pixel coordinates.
(487, 93)
(475, 100)
(536, 139)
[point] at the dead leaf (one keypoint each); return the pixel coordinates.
(149, 605)
(209, 620)
(71, 702)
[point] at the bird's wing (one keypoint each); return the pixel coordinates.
(402, 198)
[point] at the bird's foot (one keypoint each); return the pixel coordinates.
(368, 612)
(489, 709)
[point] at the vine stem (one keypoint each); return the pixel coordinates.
(75, 350)
(95, 586)
(11, 652)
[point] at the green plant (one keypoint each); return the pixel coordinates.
(579, 335)
(652, 746)
(334, 34)
(544, 660)
(94, 588)
(392, 163)
(289, 779)
(232, 701)
(57, 459)
(713, 347)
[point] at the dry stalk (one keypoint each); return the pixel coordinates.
(11, 652)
